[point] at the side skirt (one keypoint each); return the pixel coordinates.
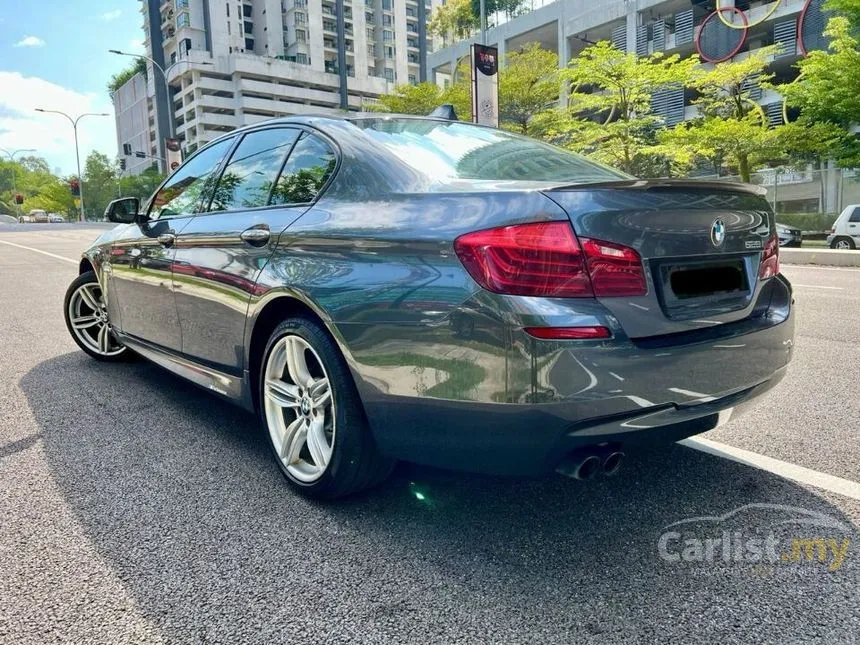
(233, 388)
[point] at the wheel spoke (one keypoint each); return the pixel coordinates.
(293, 440)
(297, 366)
(89, 298)
(283, 394)
(317, 443)
(320, 392)
(104, 339)
(84, 322)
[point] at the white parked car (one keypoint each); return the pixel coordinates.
(845, 233)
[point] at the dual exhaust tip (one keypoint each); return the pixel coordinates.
(587, 463)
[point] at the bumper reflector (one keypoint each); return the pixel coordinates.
(568, 333)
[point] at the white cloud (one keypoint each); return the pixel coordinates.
(51, 134)
(30, 41)
(136, 46)
(110, 16)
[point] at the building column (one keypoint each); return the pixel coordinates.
(502, 49)
(563, 57)
(632, 23)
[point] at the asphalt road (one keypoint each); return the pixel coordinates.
(135, 508)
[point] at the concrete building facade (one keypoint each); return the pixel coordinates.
(134, 110)
(234, 62)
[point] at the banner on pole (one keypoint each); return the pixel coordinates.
(485, 85)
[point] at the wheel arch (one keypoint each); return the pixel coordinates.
(269, 315)
(85, 266)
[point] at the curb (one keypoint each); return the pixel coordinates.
(827, 257)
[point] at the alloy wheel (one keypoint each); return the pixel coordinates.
(843, 244)
(299, 408)
(88, 319)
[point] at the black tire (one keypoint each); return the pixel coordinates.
(89, 278)
(356, 463)
(843, 238)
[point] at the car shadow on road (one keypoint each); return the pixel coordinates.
(177, 491)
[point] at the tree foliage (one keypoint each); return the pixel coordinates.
(422, 99)
(454, 19)
(121, 78)
(529, 83)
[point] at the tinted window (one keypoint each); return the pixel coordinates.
(855, 216)
(248, 177)
(455, 150)
(309, 166)
(181, 194)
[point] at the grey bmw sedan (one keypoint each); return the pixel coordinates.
(377, 288)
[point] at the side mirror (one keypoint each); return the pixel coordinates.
(123, 211)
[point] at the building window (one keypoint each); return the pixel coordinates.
(389, 52)
(369, 33)
(249, 28)
(412, 79)
(229, 31)
(389, 74)
(371, 51)
(371, 71)
(183, 20)
(329, 25)
(246, 10)
(386, 20)
(302, 59)
(387, 4)
(301, 18)
(249, 44)
(181, 4)
(387, 35)
(368, 16)
(300, 3)
(228, 9)
(301, 36)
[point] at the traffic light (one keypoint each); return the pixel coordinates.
(126, 149)
(122, 164)
(75, 187)
(19, 199)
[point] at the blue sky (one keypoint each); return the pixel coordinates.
(53, 55)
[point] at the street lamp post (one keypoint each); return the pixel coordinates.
(11, 156)
(74, 122)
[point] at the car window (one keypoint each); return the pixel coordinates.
(855, 216)
(451, 150)
(248, 178)
(307, 169)
(181, 194)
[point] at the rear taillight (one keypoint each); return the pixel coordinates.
(546, 259)
(615, 270)
(568, 333)
(769, 258)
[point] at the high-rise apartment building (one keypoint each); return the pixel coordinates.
(134, 108)
(235, 62)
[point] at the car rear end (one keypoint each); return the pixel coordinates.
(655, 312)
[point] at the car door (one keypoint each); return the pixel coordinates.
(270, 179)
(141, 262)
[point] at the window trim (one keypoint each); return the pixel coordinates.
(273, 126)
(217, 170)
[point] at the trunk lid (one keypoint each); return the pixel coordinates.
(701, 245)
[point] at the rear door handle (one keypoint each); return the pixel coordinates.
(167, 239)
(255, 236)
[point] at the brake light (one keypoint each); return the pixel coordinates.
(540, 259)
(568, 333)
(615, 270)
(546, 259)
(769, 258)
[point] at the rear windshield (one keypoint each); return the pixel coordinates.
(457, 150)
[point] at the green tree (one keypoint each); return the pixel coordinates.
(608, 116)
(99, 185)
(529, 83)
(731, 127)
(422, 98)
(454, 19)
(827, 88)
(121, 78)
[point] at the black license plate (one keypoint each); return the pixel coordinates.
(702, 280)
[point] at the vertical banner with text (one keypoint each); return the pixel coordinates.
(485, 85)
(174, 154)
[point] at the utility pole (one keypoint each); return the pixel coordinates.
(74, 122)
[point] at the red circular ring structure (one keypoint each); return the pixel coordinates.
(742, 42)
(800, 20)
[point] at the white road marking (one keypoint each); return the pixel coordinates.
(816, 286)
(638, 400)
(616, 376)
(50, 255)
(730, 346)
(633, 304)
(704, 398)
(784, 469)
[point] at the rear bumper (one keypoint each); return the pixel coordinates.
(448, 401)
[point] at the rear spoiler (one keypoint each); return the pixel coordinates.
(649, 184)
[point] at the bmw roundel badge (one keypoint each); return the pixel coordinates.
(718, 232)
